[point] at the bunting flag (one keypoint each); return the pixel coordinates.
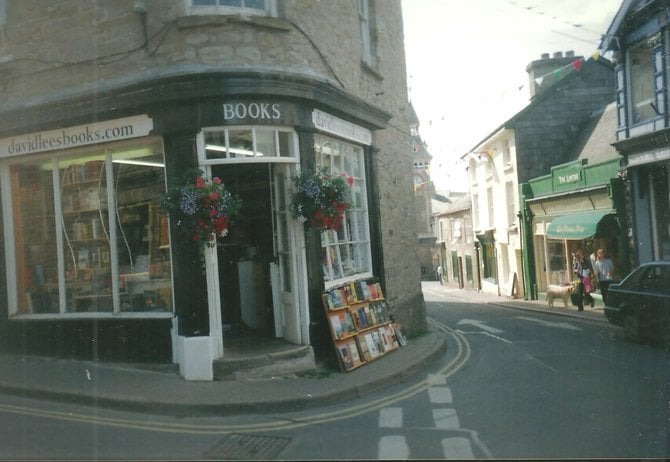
(556, 73)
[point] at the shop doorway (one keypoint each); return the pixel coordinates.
(258, 262)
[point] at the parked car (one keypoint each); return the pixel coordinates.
(641, 303)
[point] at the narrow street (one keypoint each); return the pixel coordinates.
(513, 384)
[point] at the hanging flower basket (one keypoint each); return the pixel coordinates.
(321, 199)
(202, 208)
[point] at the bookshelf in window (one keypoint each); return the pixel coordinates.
(359, 323)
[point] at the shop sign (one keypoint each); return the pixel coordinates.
(81, 135)
(569, 178)
(255, 111)
(335, 126)
(657, 155)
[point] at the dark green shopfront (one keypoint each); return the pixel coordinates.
(577, 206)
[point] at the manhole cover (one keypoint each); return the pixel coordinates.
(245, 447)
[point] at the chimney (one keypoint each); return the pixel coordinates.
(540, 71)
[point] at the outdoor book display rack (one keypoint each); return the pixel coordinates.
(359, 323)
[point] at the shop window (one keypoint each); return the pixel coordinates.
(560, 270)
(89, 235)
(346, 252)
(488, 261)
(251, 7)
(252, 144)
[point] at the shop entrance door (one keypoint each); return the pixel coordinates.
(258, 267)
(287, 265)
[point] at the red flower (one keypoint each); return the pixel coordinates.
(200, 182)
(216, 180)
(221, 224)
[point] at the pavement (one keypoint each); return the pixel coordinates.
(159, 389)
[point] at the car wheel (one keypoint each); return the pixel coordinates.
(631, 328)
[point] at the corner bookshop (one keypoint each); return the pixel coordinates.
(90, 265)
(359, 323)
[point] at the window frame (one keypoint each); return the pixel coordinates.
(293, 157)
(270, 9)
(330, 240)
(652, 73)
(57, 160)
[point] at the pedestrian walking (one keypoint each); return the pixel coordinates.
(582, 269)
(439, 274)
(604, 270)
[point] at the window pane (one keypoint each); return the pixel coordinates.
(215, 145)
(257, 4)
(285, 145)
(88, 270)
(36, 256)
(658, 62)
(240, 143)
(642, 83)
(265, 143)
(142, 241)
(204, 2)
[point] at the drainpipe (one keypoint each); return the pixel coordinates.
(525, 216)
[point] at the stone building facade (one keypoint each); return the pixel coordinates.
(106, 103)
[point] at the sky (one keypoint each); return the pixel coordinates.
(466, 65)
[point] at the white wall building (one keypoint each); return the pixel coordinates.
(492, 176)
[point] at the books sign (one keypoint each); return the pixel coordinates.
(81, 135)
(340, 127)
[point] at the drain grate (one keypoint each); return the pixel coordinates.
(247, 447)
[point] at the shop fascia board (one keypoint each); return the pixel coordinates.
(121, 100)
(587, 199)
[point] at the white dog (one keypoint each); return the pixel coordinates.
(563, 292)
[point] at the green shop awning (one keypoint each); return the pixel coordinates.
(576, 225)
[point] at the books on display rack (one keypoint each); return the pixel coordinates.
(342, 324)
(345, 356)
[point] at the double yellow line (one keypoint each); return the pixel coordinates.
(460, 359)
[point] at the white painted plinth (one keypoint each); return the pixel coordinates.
(195, 358)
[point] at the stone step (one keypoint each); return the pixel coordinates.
(283, 361)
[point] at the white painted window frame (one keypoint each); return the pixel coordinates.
(269, 10)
